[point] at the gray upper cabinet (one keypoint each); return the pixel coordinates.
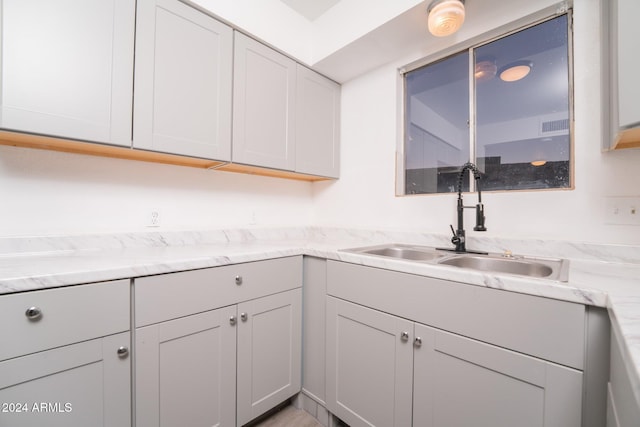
(182, 81)
(317, 124)
(622, 66)
(66, 68)
(264, 99)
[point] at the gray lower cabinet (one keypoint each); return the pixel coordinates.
(63, 363)
(494, 386)
(369, 366)
(185, 371)
(383, 370)
(623, 402)
(269, 353)
(405, 349)
(314, 327)
(218, 346)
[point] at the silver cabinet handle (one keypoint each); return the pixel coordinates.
(238, 280)
(244, 316)
(404, 336)
(417, 342)
(123, 352)
(33, 313)
(232, 320)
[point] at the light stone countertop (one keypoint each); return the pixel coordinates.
(599, 275)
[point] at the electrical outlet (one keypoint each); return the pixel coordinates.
(622, 210)
(154, 219)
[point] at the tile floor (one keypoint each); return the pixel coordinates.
(288, 416)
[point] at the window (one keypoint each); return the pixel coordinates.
(504, 105)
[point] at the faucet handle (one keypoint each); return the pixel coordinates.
(455, 239)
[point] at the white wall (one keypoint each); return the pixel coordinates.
(50, 193)
(46, 193)
(364, 196)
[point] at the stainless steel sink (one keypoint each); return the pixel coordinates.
(554, 269)
(545, 268)
(400, 251)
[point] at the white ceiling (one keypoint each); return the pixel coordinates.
(310, 9)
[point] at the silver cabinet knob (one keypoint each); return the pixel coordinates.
(244, 317)
(233, 320)
(417, 342)
(238, 280)
(123, 352)
(404, 336)
(33, 313)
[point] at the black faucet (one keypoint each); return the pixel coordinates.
(458, 238)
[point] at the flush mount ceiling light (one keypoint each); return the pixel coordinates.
(540, 162)
(445, 17)
(485, 70)
(515, 71)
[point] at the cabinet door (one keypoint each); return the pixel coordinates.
(623, 406)
(269, 352)
(496, 387)
(369, 366)
(79, 385)
(183, 81)
(263, 106)
(317, 124)
(67, 68)
(186, 371)
(628, 34)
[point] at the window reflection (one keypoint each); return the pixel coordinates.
(522, 112)
(522, 130)
(437, 128)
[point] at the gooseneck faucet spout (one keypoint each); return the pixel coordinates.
(459, 238)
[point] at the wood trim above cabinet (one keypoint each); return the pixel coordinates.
(629, 138)
(41, 142)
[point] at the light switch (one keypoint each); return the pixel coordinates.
(622, 210)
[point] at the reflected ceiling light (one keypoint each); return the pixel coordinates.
(515, 71)
(445, 17)
(539, 162)
(485, 70)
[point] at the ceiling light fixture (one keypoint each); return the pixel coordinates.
(445, 17)
(539, 162)
(485, 70)
(515, 71)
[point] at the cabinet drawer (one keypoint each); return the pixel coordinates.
(549, 329)
(169, 296)
(67, 315)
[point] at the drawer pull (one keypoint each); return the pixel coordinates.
(123, 352)
(417, 342)
(244, 316)
(33, 313)
(404, 336)
(232, 320)
(238, 280)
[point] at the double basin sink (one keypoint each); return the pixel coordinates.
(545, 268)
